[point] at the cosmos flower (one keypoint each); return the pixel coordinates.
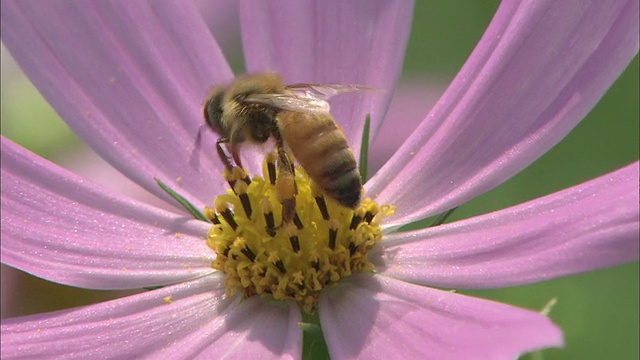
(129, 78)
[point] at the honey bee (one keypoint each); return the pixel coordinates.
(256, 107)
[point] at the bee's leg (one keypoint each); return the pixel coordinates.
(233, 171)
(235, 153)
(285, 180)
(223, 156)
(233, 149)
(286, 186)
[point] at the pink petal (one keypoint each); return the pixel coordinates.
(128, 78)
(192, 319)
(539, 68)
(89, 165)
(62, 228)
(413, 98)
(378, 317)
(586, 227)
(352, 42)
(221, 17)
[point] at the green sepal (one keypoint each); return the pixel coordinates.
(546, 309)
(313, 329)
(151, 288)
(364, 149)
(442, 217)
(182, 201)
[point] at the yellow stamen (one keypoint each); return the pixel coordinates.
(262, 256)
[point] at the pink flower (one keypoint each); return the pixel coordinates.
(129, 77)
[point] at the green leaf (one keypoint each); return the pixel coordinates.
(182, 201)
(364, 149)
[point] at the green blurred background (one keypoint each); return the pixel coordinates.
(598, 311)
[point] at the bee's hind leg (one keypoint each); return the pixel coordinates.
(286, 186)
(285, 181)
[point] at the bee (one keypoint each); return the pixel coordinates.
(258, 106)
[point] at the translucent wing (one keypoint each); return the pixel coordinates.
(304, 97)
(324, 91)
(290, 102)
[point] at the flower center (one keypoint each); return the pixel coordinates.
(261, 256)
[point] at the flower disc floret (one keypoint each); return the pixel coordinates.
(260, 255)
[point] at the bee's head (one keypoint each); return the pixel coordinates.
(212, 110)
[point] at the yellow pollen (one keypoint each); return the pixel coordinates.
(293, 261)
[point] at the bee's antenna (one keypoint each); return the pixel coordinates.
(194, 160)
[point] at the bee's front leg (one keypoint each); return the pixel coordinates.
(233, 148)
(223, 156)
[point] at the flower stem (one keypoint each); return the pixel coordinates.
(313, 345)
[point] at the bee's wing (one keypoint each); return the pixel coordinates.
(304, 97)
(290, 102)
(324, 91)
